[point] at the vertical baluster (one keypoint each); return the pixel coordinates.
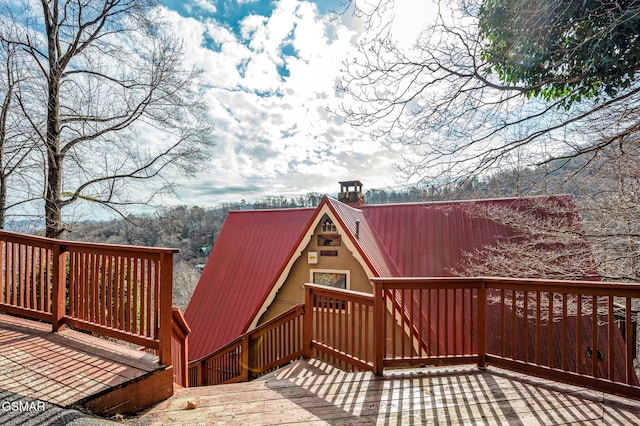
(538, 325)
(550, 345)
(502, 323)
(629, 341)
(156, 298)
(594, 336)
(579, 333)
(120, 285)
(525, 324)
(473, 325)
(82, 285)
(403, 322)
(129, 307)
(610, 334)
(95, 283)
(32, 277)
(461, 325)
(422, 351)
(428, 323)
(104, 302)
(564, 332)
(112, 292)
(144, 266)
(151, 266)
(454, 316)
(41, 288)
(368, 337)
(73, 290)
(136, 291)
(438, 341)
(22, 272)
(514, 320)
(447, 309)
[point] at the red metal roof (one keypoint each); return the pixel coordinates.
(402, 240)
(252, 249)
(428, 239)
(365, 238)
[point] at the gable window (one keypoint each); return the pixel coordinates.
(330, 278)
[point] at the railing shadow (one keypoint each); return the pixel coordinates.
(460, 395)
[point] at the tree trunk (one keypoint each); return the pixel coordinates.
(53, 198)
(3, 196)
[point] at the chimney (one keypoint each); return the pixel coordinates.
(351, 192)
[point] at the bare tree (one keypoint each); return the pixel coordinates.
(455, 98)
(17, 148)
(543, 238)
(610, 205)
(114, 111)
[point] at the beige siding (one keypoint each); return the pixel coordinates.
(292, 292)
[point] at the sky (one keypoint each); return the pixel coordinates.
(271, 69)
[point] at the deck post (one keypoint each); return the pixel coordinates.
(58, 286)
(481, 323)
(379, 337)
(166, 313)
(244, 358)
(307, 327)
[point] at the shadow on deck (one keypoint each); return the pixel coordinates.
(310, 392)
(73, 369)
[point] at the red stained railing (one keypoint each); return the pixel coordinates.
(29, 272)
(339, 327)
(583, 333)
(180, 348)
(263, 349)
(122, 292)
(434, 322)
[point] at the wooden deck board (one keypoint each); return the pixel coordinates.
(303, 393)
(66, 367)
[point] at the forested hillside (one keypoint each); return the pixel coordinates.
(194, 229)
(608, 200)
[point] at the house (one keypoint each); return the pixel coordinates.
(262, 258)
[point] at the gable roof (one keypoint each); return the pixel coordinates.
(251, 250)
(255, 249)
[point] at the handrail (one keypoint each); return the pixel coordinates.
(118, 291)
(258, 351)
(180, 347)
(581, 332)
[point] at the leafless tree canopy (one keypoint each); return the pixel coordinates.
(110, 104)
(442, 97)
(546, 241)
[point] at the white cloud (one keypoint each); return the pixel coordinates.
(204, 5)
(272, 129)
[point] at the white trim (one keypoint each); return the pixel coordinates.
(298, 252)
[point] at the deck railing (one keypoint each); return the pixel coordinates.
(583, 333)
(339, 327)
(123, 292)
(256, 352)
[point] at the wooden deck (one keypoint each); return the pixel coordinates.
(69, 368)
(311, 393)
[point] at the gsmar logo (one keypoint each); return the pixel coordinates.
(22, 406)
